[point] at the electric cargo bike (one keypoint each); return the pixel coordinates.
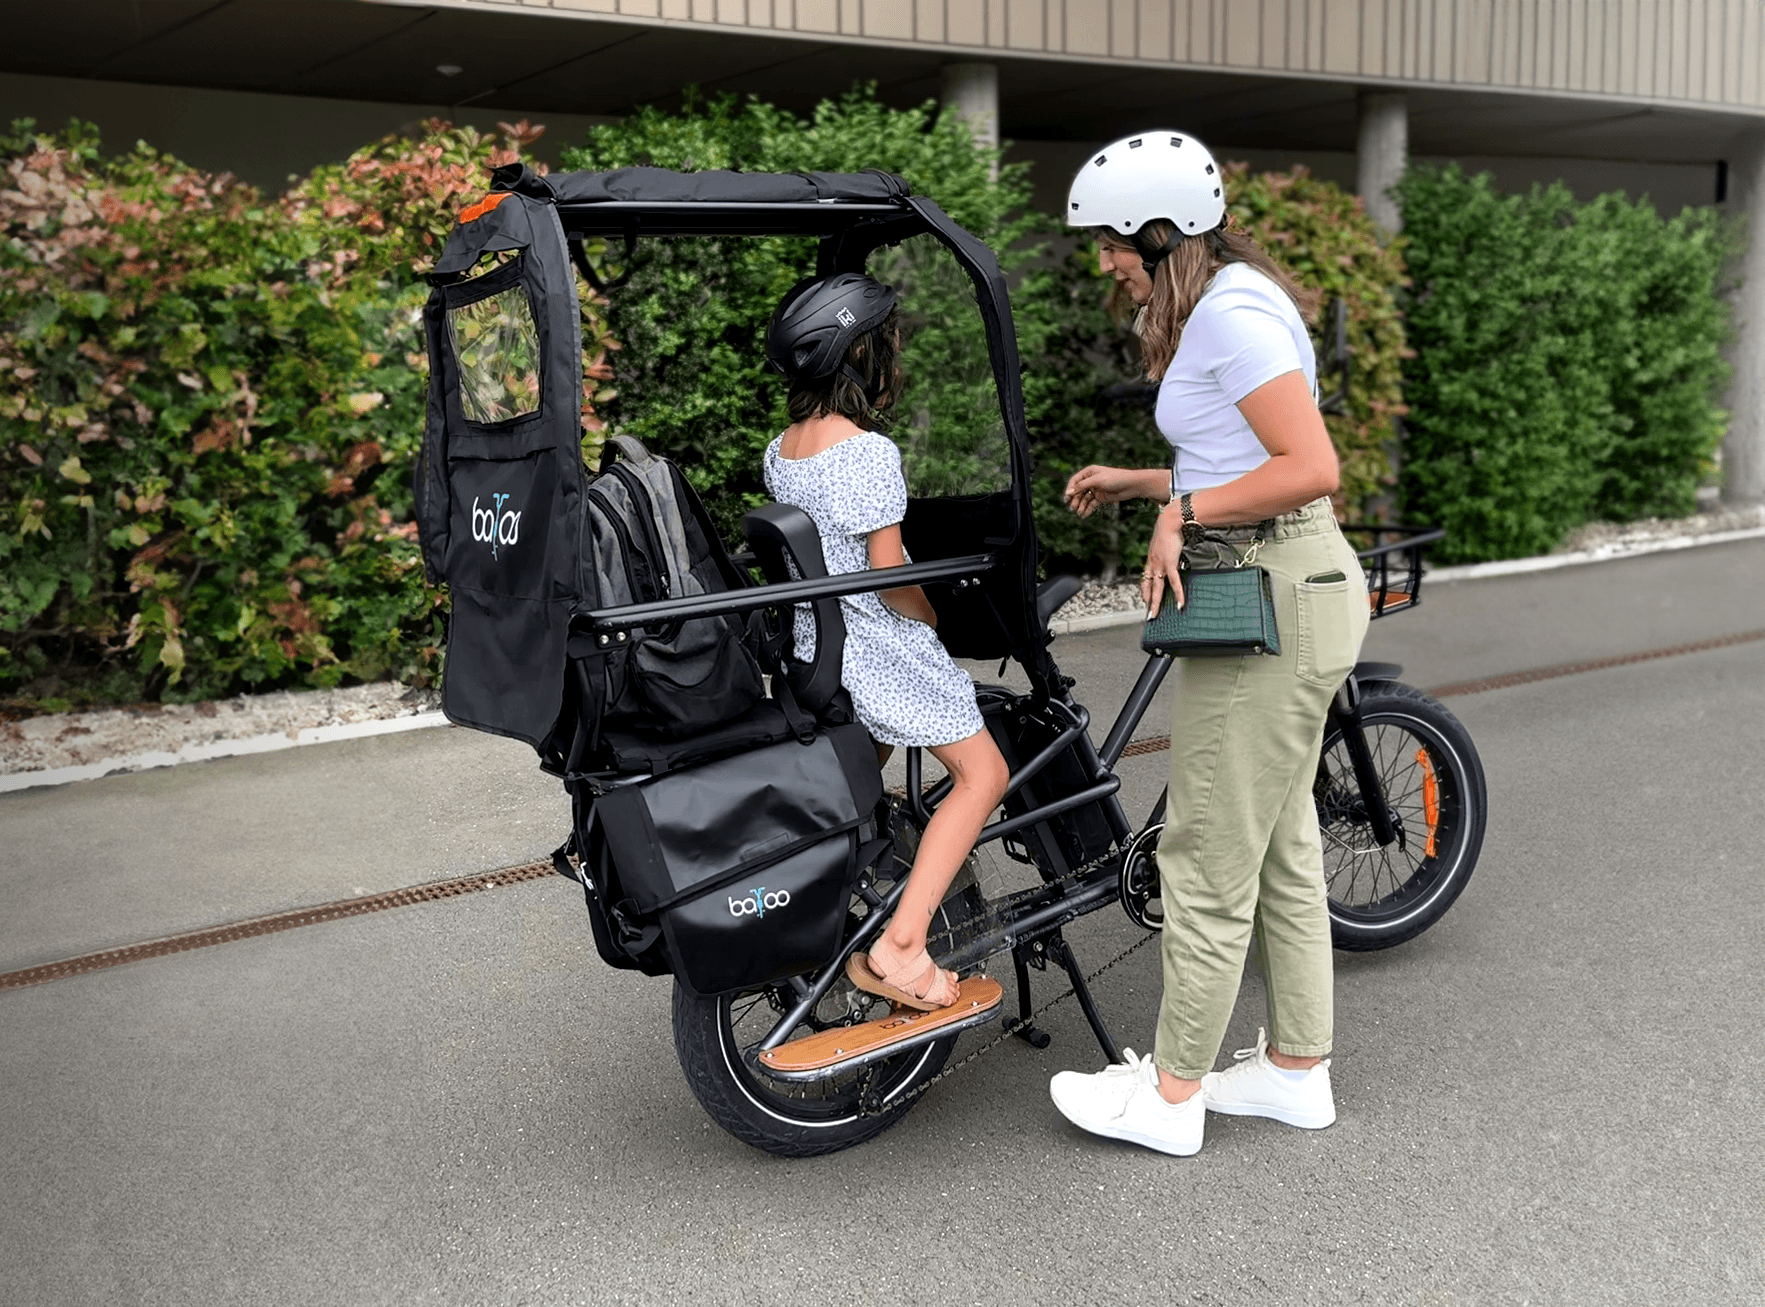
(695, 860)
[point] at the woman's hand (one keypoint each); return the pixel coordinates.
(1092, 487)
(1162, 557)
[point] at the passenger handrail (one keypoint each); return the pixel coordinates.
(662, 612)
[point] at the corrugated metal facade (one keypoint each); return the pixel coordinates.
(1686, 52)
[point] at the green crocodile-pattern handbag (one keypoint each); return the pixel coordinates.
(1229, 611)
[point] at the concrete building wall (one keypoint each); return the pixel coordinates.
(264, 138)
(258, 137)
(1670, 186)
(1702, 53)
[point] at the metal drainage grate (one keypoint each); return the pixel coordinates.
(254, 926)
(1593, 665)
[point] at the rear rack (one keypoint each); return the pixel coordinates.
(1392, 586)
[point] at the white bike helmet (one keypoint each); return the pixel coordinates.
(1157, 174)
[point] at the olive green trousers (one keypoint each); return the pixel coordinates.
(1240, 851)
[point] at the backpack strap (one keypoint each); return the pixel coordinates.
(801, 722)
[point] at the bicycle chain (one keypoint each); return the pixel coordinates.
(1012, 1024)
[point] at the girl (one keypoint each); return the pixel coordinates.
(1222, 330)
(837, 340)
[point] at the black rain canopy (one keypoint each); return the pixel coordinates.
(500, 480)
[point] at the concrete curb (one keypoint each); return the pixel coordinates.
(219, 749)
(1471, 571)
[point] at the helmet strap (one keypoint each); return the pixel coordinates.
(872, 390)
(1152, 255)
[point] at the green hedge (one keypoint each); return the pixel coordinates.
(1567, 361)
(211, 405)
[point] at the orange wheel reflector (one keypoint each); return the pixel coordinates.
(484, 206)
(1430, 798)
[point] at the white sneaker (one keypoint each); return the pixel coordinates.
(1255, 1086)
(1122, 1102)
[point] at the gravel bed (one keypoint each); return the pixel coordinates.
(1622, 535)
(81, 739)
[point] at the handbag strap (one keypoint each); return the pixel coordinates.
(1248, 555)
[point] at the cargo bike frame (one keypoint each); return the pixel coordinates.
(1399, 790)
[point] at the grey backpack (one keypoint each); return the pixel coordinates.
(646, 537)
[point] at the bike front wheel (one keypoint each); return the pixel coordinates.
(1433, 785)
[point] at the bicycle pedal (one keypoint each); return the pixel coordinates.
(826, 1052)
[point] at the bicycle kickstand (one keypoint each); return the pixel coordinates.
(1061, 952)
(1021, 1025)
(1054, 947)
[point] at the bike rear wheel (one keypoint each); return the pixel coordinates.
(1434, 787)
(717, 1040)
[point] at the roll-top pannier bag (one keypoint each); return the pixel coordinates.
(499, 481)
(747, 863)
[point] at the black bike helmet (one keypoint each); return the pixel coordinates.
(812, 332)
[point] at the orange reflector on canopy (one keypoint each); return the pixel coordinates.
(484, 206)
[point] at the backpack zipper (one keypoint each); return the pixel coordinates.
(640, 498)
(617, 522)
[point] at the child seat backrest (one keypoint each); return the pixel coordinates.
(499, 481)
(788, 548)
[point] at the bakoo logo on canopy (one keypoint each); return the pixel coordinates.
(759, 901)
(496, 526)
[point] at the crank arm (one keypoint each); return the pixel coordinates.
(1089, 895)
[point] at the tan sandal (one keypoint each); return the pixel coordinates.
(897, 985)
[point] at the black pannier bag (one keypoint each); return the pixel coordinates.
(1021, 731)
(739, 871)
(499, 482)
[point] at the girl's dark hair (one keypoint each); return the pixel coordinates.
(875, 356)
(1180, 279)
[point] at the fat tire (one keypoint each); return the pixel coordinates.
(739, 1101)
(1402, 707)
(744, 1102)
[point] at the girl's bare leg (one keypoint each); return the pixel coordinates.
(979, 774)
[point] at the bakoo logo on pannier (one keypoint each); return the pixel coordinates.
(759, 901)
(496, 526)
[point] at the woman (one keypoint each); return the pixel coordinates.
(1222, 331)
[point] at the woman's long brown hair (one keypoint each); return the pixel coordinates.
(1182, 277)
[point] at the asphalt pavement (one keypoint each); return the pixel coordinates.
(1552, 1097)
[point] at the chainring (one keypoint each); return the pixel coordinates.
(1139, 880)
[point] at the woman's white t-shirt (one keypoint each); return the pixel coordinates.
(1243, 332)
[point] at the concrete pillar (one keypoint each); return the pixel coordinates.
(972, 90)
(1743, 450)
(1383, 145)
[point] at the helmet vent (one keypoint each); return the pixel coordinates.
(1134, 144)
(1210, 170)
(1102, 159)
(1216, 192)
(1075, 204)
(1176, 142)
